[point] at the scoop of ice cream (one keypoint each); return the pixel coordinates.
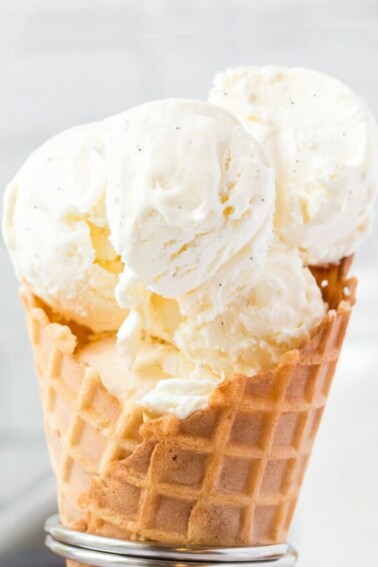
(276, 315)
(232, 281)
(55, 228)
(188, 189)
(323, 143)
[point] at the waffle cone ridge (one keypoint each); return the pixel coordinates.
(227, 475)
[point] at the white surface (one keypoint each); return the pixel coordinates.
(70, 62)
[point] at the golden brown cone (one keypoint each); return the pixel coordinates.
(227, 475)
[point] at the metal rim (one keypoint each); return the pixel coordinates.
(102, 559)
(156, 550)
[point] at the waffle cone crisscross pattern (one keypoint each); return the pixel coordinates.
(227, 475)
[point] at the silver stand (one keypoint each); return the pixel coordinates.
(104, 552)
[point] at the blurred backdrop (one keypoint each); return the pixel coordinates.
(65, 63)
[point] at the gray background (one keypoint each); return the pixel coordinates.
(68, 62)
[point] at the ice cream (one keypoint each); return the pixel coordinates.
(55, 228)
(323, 143)
(188, 189)
(190, 211)
(161, 380)
(156, 226)
(103, 355)
(177, 375)
(248, 337)
(274, 316)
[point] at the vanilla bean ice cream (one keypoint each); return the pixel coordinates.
(188, 188)
(273, 316)
(157, 230)
(323, 143)
(55, 228)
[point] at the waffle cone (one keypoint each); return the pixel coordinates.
(227, 475)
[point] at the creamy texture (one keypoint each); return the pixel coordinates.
(188, 188)
(160, 381)
(232, 281)
(124, 383)
(323, 143)
(179, 397)
(275, 315)
(157, 225)
(190, 203)
(55, 228)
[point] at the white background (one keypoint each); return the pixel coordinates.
(64, 63)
